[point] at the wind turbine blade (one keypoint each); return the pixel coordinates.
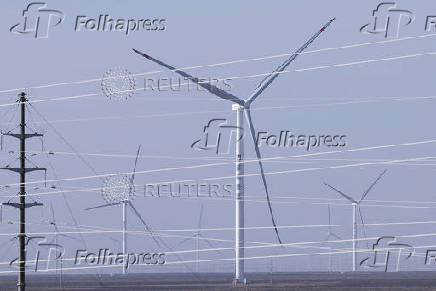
(69, 236)
(55, 227)
(53, 222)
(201, 216)
(270, 78)
(210, 244)
(262, 173)
(340, 192)
(372, 185)
(363, 225)
(105, 205)
(209, 87)
(134, 167)
(143, 222)
(52, 217)
(185, 240)
(158, 238)
(52, 213)
(335, 236)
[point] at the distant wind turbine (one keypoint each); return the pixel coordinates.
(197, 235)
(243, 107)
(52, 222)
(330, 235)
(120, 190)
(356, 208)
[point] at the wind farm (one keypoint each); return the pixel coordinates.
(280, 147)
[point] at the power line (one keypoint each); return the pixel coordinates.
(226, 63)
(171, 114)
(285, 160)
(242, 77)
(209, 178)
(381, 203)
(340, 251)
(254, 160)
(204, 238)
(175, 114)
(229, 199)
(65, 141)
(303, 226)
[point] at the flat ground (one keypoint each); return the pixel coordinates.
(280, 281)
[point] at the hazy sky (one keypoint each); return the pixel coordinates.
(366, 102)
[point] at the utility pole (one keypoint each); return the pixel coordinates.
(22, 234)
(22, 136)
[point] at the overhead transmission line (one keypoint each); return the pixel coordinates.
(190, 113)
(228, 62)
(255, 160)
(242, 77)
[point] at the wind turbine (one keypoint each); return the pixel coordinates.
(52, 221)
(242, 107)
(356, 208)
(330, 234)
(120, 189)
(197, 235)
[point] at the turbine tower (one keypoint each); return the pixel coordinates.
(356, 208)
(242, 107)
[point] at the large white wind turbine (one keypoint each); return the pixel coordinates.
(356, 208)
(243, 107)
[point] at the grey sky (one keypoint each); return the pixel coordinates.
(201, 33)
